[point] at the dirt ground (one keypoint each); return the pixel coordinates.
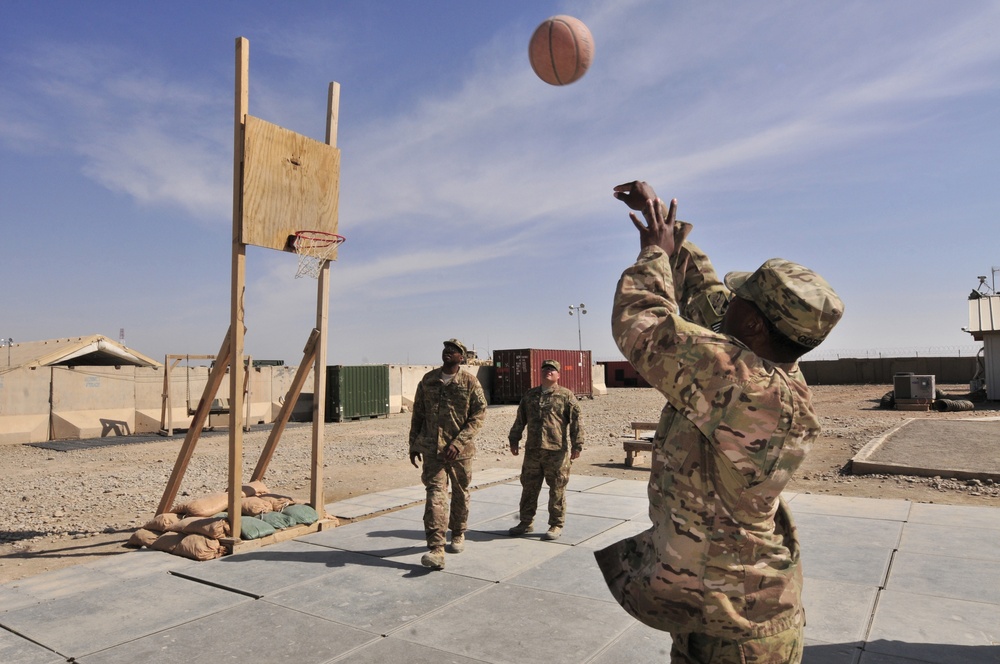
(850, 416)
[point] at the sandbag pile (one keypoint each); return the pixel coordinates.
(193, 529)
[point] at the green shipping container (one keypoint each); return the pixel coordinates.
(356, 392)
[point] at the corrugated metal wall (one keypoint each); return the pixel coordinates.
(517, 371)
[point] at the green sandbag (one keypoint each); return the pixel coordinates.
(278, 520)
(301, 513)
(251, 527)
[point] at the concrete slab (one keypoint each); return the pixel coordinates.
(962, 449)
(939, 576)
(378, 596)
(966, 516)
(376, 537)
(486, 477)
(379, 501)
(951, 540)
(17, 650)
(251, 632)
(605, 505)
(825, 557)
(266, 570)
(536, 627)
(391, 649)
(578, 528)
(345, 510)
(830, 653)
(837, 612)
(493, 557)
(638, 643)
(876, 658)
(941, 630)
(90, 621)
(615, 534)
(410, 493)
(587, 482)
(864, 508)
(505, 494)
(633, 488)
(574, 572)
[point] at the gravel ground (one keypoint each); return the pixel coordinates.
(61, 508)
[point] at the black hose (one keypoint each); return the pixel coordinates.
(953, 405)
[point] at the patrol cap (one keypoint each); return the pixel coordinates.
(553, 364)
(457, 344)
(799, 302)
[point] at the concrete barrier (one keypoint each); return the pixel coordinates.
(93, 402)
(24, 405)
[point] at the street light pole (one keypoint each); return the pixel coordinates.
(581, 309)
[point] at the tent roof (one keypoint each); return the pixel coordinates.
(95, 350)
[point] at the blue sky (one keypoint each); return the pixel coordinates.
(858, 138)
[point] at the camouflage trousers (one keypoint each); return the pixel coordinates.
(436, 475)
(781, 648)
(552, 466)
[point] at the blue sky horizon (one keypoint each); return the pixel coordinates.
(859, 139)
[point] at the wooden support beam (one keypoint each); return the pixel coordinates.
(201, 413)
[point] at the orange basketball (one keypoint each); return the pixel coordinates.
(561, 49)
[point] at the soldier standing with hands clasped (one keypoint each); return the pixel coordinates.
(720, 567)
(448, 409)
(555, 439)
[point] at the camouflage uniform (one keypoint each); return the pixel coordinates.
(443, 415)
(552, 416)
(719, 568)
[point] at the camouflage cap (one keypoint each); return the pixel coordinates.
(799, 302)
(457, 344)
(551, 363)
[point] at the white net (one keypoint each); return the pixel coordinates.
(314, 249)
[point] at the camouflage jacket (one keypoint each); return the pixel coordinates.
(722, 557)
(447, 414)
(552, 417)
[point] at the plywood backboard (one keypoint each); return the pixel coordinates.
(290, 183)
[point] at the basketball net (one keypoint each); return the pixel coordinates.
(314, 249)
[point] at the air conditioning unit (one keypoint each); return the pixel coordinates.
(910, 386)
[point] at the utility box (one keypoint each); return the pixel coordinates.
(910, 386)
(356, 392)
(517, 371)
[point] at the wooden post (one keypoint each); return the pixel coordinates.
(237, 327)
(322, 318)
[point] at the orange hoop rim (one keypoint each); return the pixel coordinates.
(317, 239)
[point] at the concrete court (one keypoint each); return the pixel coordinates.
(887, 582)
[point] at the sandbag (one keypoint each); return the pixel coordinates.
(204, 506)
(253, 528)
(198, 547)
(304, 514)
(254, 505)
(161, 522)
(279, 520)
(278, 502)
(212, 527)
(142, 537)
(167, 542)
(254, 488)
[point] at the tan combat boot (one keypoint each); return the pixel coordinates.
(433, 558)
(553, 533)
(520, 529)
(457, 543)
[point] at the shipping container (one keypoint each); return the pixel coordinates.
(621, 373)
(517, 371)
(356, 392)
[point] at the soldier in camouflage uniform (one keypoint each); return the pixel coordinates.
(448, 409)
(555, 439)
(720, 568)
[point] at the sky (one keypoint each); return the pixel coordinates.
(858, 138)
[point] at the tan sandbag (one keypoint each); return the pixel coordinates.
(198, 547)
(278, 502)
(161, 522)
(254, 488)
(213, 527)
(208, 505)
(167, 542)
(142, 537)
(254, 505)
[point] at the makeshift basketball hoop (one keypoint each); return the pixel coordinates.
(314, 249)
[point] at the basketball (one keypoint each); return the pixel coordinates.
(561, 49)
